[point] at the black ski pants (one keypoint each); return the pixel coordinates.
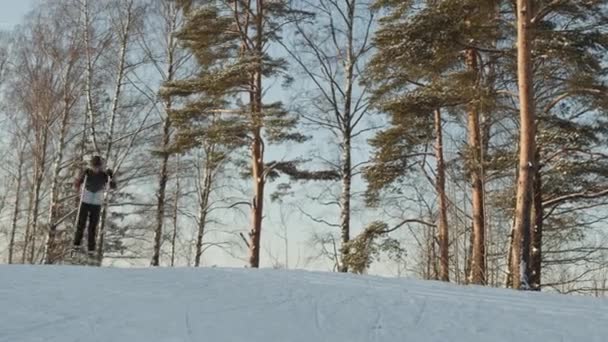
(90, 211)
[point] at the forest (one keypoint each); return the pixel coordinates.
(464, 141)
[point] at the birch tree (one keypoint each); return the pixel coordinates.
(18, 181)
(123, 28)
(66, 51)
(114, 126)
(331, 48)
(37, 93)
(167, 63)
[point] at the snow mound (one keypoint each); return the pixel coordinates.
(66, 303)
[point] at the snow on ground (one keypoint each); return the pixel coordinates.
(63, 303)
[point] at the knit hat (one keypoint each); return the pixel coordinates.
(96, 161)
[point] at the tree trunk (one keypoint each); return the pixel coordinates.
(345, 199)
(509, 275)
(527, 144)
(26, 238)
(444, 240)
(526, 252)
(478, 259)
(536, 236)
(39, 177)
(258, 201)
(162, 186)
(457, 255)
(430, 258)
(347, 127)
(51, 252)
(113, 112)
(175, 216)
(257, 148)
(204, 194)
(467, 244)
(491, 265)
(162, 182)
(435, 260)
(11, 244)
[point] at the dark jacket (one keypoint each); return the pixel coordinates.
(95, 181)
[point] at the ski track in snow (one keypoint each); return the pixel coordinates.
(68, 303)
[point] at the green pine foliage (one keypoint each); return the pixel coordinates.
(420, 67)
(569, 74)
(223, 86)
(369, 246)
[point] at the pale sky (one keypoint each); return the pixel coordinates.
(11, 12)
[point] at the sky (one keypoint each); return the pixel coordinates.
(11, 12)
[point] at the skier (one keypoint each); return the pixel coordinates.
(91, 199)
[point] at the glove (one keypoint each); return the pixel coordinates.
(110, 174)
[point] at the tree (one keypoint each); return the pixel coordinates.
(331, 47)
(117, 109)
(565, 64)
(128, 15)
(419, 72)
(66, 50)
(230, 41)
(175, 217)
(167, 63)
(212, 162)
(478, 253)
(527, 146)
(16, 204)
(37, 92)
(444, 235)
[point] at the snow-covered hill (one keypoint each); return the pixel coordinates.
(62, 304)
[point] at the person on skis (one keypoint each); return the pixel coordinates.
(91, 182)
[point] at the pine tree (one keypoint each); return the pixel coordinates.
(230, 43)
(527, 141)
(567, 48)
(420, 70)
(567, 75)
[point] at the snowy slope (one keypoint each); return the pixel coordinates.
(225, 305)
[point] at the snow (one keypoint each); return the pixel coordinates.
(66, 303)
